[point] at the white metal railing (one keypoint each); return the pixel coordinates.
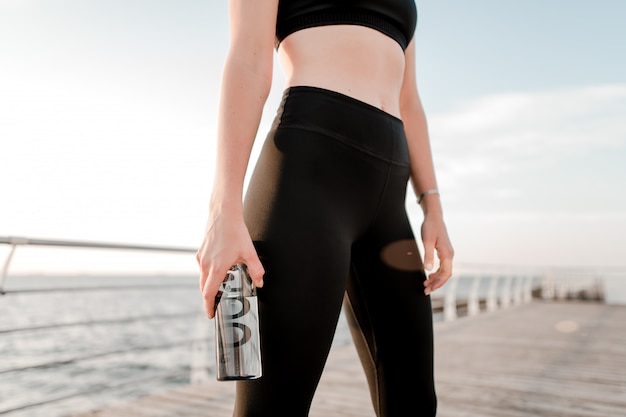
(485, 293)
(15, 241)
(563, 284)
(507, 285)
(488, 288)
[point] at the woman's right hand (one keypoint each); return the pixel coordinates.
(226, 243)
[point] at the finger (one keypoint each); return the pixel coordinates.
(204, 275)
(256, 270)
(446, 268)
(438, 278)
(209, 308)
(429, 256)
(439, 282)
(203, 279)
(441, 276)
(209, 291)
(429, 282)
(430, 287)
(209, 303)
(204, 268)
(431, 277)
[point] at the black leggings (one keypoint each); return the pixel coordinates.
(326, 210)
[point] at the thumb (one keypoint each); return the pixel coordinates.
(429, 256)
(256, 271)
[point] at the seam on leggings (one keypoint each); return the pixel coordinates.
(382, 193)
(371, 350)
(345, 142)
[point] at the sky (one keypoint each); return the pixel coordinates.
(108, 118)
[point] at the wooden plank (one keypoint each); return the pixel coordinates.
(544, 359)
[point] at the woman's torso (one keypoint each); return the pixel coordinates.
(352, 59)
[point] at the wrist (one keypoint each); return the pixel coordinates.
(231, 204)
(430, 202)
(429, 192)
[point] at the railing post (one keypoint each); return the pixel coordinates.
(598, 288)
(562, 289)
(5, 268)
(517, 290)
(547, 287)
(473, 302)
(527, 294)
(449, 302)
(505, 297)
(492, 299)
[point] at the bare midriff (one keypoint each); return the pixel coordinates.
(357, 61)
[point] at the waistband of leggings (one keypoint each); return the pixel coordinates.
(346, 118)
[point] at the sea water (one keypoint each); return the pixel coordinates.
(93, 341)
(128, 336)
(148, 321)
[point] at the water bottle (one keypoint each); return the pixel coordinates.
(238, 351)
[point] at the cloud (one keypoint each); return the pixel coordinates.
(535, 123)
(499, 136)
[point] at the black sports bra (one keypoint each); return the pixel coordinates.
(395, 18)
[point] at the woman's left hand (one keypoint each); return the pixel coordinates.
(436, 240)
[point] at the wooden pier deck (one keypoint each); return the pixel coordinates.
(543, 359)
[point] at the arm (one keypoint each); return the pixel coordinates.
(246, 83)
(423, 178)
